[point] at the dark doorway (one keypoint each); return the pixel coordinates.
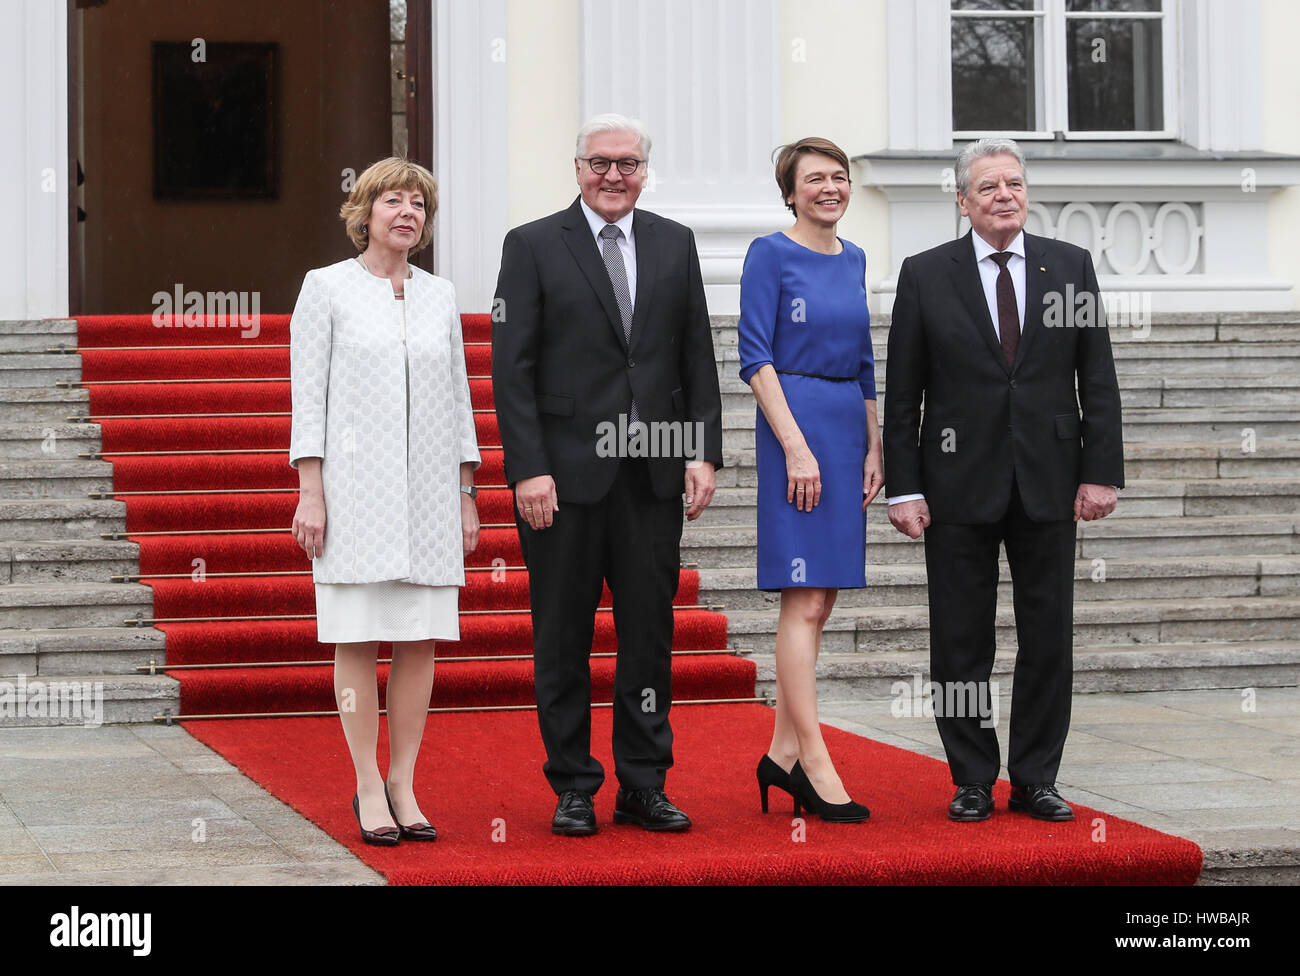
(337, 91)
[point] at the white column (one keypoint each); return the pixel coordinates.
(34, 165)
(1222, 95)
(704, 77)
(469, 146)
(920, 74)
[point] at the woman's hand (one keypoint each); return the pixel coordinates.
(873, 475)
(309, 523)
(803, 478)
(468, 523)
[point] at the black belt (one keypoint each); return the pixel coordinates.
(819, 376)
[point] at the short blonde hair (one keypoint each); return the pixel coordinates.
(393, 173)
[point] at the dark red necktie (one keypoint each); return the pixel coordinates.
(1008, 315)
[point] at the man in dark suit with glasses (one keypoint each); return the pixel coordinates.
(601, 328)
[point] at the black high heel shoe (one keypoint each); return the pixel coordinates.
(771, 774)
(420, 831)
(806, 796)
(383, 837)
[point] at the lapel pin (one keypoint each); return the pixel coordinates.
(1042, 269)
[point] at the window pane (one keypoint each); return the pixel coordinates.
(992, 4)
(1118, 6)
(993, 83)
(1115, 75)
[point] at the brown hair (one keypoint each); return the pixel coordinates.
(393, 173)
(787, 161)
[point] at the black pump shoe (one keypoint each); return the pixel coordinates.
(383, 837)
(420, 831)
(770, 773)
(806, 796)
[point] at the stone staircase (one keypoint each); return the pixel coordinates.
(1194, 581)
(63, 621)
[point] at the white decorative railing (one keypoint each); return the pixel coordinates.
(1127, 237)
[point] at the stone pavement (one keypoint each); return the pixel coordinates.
(117, 804)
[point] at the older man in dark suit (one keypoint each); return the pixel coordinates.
(1021, 438)
(607, 399)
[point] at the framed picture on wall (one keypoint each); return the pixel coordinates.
(215, 124)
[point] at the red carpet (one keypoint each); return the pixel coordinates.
(215, 498)
(482, 773)
(220, 513)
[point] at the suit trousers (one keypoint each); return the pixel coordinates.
(961, 564)
(631, 540)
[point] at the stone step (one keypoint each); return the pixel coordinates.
(59, 518)
(110, 650)
(71, 560)
(1229, 425)
(1108, 622)
(1258, 535)
(1271, 390)
(72, 604)
(1097, 668)
(21, 369)
(1186, 577)
(92, 699)
(47, 478)
(37, 441)
(21, 404)
(1198, 459)
(721, 546)
(37, 335)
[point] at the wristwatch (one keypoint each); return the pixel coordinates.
(470, 490)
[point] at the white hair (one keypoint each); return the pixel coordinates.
(612, 122)
(988, 146)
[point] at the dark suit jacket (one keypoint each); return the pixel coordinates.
(984, 421)
(561, 367)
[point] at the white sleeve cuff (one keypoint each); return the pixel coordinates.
(906, 498)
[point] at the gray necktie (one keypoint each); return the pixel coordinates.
(609, 249)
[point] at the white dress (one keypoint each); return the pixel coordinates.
(392, 610)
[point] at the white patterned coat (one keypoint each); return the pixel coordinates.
(392, 496)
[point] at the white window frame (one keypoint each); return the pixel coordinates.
(1051, 70)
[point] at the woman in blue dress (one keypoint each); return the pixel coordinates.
(805, 350)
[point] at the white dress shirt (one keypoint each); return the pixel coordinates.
(989, 272)
(625, 243)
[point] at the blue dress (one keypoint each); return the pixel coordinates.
(806, 312)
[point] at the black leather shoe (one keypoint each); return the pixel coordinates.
(974, 801)
(1040, 801)
(649, 809)
(575, 814)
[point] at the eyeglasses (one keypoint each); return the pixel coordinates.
(600, 165)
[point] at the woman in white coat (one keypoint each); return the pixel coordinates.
(383, 440)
